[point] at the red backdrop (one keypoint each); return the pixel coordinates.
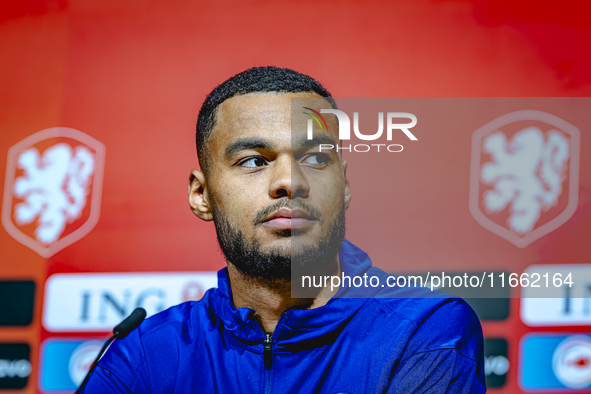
(133, 75)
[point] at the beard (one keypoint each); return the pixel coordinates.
(277, 265)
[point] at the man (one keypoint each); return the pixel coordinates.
(278, 204)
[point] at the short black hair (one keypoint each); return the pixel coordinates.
(253, 80)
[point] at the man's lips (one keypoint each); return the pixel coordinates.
(289, 219)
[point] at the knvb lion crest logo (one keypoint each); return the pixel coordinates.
(524, 175)
(53, 189)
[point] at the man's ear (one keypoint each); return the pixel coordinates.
(198, 198)
(348, 193)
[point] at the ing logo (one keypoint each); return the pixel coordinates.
(524, 175)
(53, 189)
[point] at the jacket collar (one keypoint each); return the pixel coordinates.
(297, 325)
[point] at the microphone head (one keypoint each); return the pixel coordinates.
(130, 323)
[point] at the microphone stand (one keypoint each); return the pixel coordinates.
(119, 332)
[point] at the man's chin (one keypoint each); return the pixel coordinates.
(271, 257)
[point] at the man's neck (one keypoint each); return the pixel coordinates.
(270, 300)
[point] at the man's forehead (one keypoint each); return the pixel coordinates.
(264, 113)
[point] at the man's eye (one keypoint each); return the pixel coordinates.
(253, 162)
(317, 159)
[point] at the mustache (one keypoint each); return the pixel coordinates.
(286, 202)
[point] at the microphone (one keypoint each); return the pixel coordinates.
(120, 331)
(130, 323)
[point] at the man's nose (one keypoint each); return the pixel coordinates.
(287, 179)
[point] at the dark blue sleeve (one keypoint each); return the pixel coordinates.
(122, 369)
(104, 381)
(444, 355)
(438, 371)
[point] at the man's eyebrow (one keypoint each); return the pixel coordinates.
(247, 143)
(315, 141)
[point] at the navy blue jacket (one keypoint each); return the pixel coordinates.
(362, 341)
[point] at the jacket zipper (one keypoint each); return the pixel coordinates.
(268, 357)
(268, 353)
(268, 350)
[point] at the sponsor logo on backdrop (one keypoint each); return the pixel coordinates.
(17, 299)
(496, 363)
(53, 187)
(82, 359)
(98, 302)
(65, 362)
(15, 367)
(549, 305)
(193, 291)
(550, 361)
(524, 179)
(572, 362)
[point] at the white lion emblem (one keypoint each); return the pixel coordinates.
(54, 188)
(526, 172)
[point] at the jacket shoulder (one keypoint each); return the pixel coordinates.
(155, 345)
(441, 320)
